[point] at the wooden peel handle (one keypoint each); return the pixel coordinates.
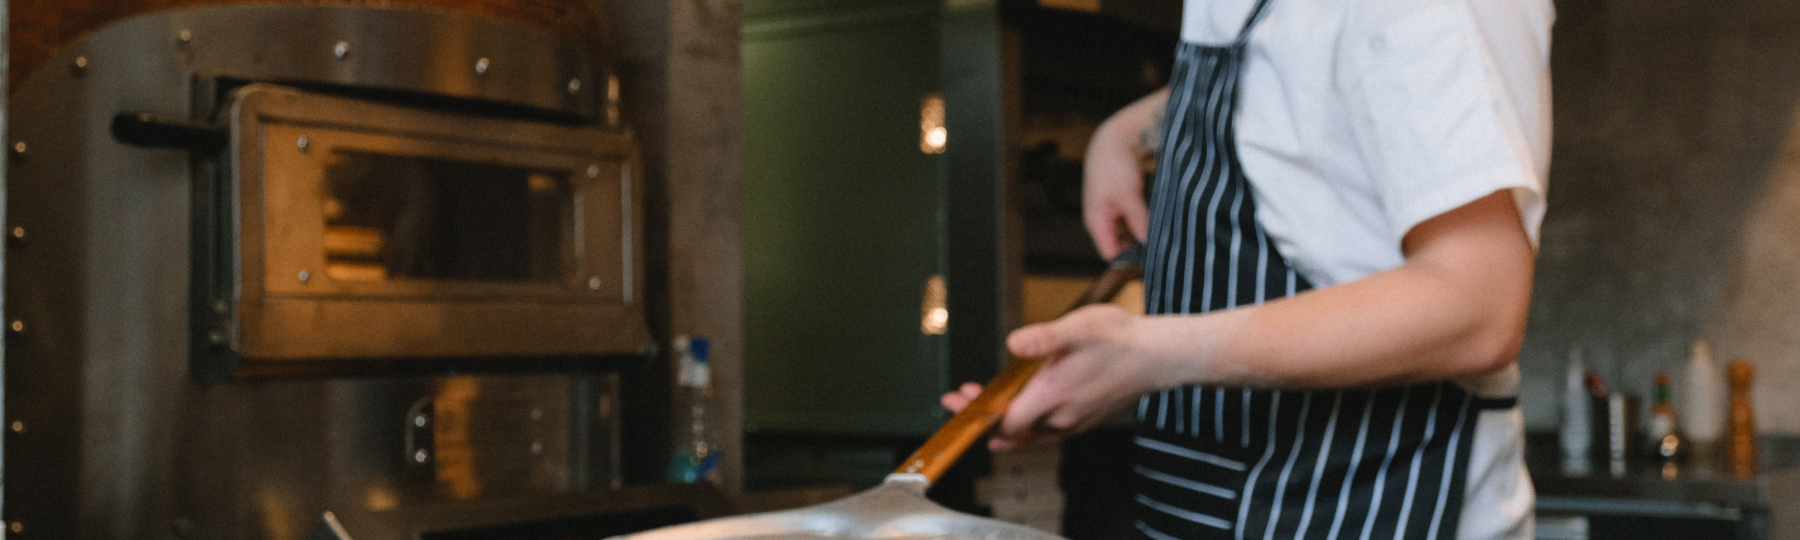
(941, 451)
(950, 441)
(1107, 286)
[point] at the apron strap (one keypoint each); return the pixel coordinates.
(1488, 404)
(1255, 14)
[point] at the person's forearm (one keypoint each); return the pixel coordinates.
(1134, 127)
(1112, 187)
(1430, 319)
(1392, 328)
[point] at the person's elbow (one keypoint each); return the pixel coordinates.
(1482, 259)
(1496, 343)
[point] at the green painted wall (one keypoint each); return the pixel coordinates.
(843, 218)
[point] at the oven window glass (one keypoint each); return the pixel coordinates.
(393, 217)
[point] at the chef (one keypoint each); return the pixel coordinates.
(1338, 252)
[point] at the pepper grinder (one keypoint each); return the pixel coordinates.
(1743, 420)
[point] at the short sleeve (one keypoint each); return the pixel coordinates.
(1455, 111)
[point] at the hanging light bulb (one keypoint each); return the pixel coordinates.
(932, 133)
(934, 315)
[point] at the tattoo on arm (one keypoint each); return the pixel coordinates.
(1150, 138)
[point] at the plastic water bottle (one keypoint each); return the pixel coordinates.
(697, 449)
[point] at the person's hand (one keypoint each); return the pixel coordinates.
(1090, 372)
(1112, 188)
(1112, 197)
(962, 396)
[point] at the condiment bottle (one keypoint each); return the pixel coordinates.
(1702, 410)
(1743, 420)
(1615, 426)
(1577, 435)
(1663, 439)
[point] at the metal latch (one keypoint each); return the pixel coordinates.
(157, 131)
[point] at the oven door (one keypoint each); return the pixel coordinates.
(349, 233)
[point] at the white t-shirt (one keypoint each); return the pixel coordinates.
(1359, 119)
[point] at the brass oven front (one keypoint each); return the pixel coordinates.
(365, 231)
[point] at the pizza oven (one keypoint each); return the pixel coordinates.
(321, 270)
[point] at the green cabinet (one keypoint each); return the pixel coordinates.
(844, 218)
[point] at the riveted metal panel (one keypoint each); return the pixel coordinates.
(117, 439)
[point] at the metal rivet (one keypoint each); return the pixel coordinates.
(17, 527)
(18, 148)
(594, 283)
(420, 421)
(305, 276)
(18, 233)
(341, 50)
(80, 66)
(593, 171)
(16, 326)
(537, 448)
(421, 455)
(220, 307)
(184, 38)
(217, 337)
(18, 426)
(537, 414)
(481, 66)
(303, 143)
(574, 86)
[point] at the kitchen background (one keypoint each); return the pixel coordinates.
(1673, 180)
(856, 199)
(1674, 195)
(1672, 186)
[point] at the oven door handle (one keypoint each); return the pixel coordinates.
(151, 130)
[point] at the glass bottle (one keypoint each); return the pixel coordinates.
(1662, 436)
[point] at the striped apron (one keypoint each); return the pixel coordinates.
(1213, 462)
